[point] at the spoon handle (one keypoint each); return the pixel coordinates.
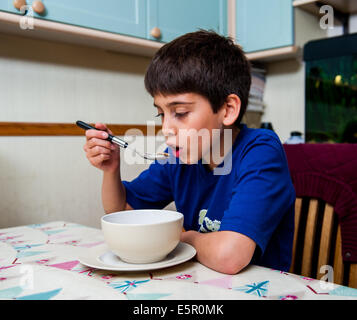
(110, 138)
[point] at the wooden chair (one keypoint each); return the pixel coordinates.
(317, 242)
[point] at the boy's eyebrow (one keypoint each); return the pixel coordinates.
(174, 103)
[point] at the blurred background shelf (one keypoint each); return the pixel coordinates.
(313, 6)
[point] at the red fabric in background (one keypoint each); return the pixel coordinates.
(329, 172)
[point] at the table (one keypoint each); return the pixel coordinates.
(40, 262)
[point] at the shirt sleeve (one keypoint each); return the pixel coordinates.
(263, 192)
(151, 189)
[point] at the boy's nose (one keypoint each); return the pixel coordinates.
(167, 129)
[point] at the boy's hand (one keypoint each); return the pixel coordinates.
(101, 153)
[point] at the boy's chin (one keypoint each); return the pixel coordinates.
(189, 160)
(186, 161)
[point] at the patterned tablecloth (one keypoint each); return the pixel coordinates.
(40, 262)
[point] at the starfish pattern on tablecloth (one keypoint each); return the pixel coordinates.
(256, 288)
(124, 286)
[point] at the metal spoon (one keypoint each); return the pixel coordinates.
(124, 144)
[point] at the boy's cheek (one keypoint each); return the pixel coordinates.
(194, 146)
(188, 157)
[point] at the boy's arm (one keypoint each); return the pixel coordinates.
(224, 251)
(113, 193)
(106, 156)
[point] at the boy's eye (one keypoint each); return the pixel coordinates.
(180, 115)
(177, 115)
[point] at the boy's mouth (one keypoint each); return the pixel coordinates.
(176, 151)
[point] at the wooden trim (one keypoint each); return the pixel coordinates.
(66, 129)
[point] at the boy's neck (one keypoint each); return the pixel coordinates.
(223, 150)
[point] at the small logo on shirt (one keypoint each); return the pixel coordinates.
(206, 224)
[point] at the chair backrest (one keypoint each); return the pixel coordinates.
(317, 243)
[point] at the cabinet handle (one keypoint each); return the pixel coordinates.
(155, 32)
(19, 3)
(38, 7)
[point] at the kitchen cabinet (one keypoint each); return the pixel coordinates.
(8, 6)
(168, 19)
(265, 28)
(118, 16)
(159, 20)
(264, 24)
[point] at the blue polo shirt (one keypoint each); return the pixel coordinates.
(250, 192)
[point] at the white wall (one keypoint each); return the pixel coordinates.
(52, 82)
(48, 178)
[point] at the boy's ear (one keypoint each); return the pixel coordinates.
(232, 109)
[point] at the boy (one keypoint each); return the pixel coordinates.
(201, 80)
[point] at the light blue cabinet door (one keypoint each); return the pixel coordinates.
(177, 17)
(264, 24)
(119, 16)
(8, 6)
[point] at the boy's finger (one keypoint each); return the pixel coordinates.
(91, 133)
(99, 142)
(102, 126)
(97, 160)
(97, 150)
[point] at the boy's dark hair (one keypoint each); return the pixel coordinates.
(202, 62)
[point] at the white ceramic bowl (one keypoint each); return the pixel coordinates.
(142, 236)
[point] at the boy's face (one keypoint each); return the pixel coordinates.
(188, 124)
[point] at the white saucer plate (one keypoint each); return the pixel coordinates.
(107, 260)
